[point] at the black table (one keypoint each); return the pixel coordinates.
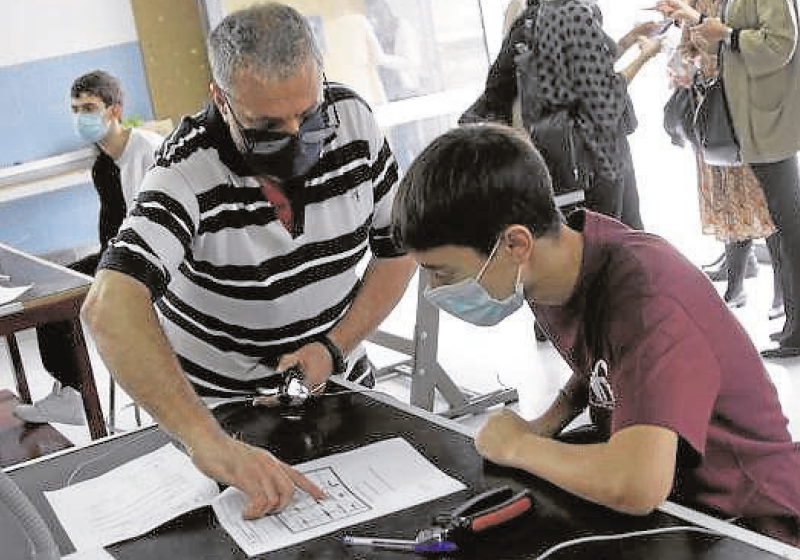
(344, 422)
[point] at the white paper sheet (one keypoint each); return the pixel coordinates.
(131, 499)
(363, 484)
(10, 294)
(89, 554)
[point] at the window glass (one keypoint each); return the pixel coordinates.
(418, 63)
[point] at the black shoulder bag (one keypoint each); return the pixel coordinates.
(679, 113)
(713, 124)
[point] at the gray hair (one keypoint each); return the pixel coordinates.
(271, 40)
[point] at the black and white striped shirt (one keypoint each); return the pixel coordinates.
(234, 290)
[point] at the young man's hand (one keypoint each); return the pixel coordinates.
(500, 437)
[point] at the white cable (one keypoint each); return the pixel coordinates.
(88, 462)
(620, 536)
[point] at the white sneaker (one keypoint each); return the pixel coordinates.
(63, 405)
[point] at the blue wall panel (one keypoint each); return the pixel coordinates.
(51, 221)
(35, 104)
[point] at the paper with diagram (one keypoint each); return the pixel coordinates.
(363, 484)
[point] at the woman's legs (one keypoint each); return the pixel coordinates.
(781, 186)
(736, 253)
(774, 247)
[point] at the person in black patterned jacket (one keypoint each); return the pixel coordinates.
(577, 68)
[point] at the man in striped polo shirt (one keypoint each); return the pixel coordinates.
(240, 254)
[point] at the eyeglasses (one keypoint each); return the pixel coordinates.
(315, 128)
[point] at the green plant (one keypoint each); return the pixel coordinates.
(132, 121)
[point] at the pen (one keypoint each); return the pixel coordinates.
(433, 546)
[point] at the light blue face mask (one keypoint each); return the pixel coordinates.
(469, 301)
(90, 126)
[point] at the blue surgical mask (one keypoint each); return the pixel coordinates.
(469, 301)
(92, 127)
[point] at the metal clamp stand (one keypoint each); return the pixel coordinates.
(425, 372)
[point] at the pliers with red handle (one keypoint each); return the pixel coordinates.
(489, 509)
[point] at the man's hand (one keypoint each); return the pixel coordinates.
(316, 362)
(267, 483)
(498, 439)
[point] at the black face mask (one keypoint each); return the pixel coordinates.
(285, 156)
(295, 159)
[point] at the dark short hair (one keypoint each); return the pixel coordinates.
(469, 185)
(99, 83)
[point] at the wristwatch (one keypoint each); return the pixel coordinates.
(337, 357)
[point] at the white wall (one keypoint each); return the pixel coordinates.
(36, 29)
(493, 15)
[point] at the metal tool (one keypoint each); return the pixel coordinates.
(289, 392)
(485, 511)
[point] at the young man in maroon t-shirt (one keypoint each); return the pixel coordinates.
(682, 405)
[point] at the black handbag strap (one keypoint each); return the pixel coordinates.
(723, 8)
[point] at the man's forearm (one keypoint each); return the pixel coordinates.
(385, 282)
(632, 473)
(133, 346)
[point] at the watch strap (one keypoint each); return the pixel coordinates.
(337, 356)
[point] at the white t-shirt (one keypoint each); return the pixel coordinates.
(136, 159)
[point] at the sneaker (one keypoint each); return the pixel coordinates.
(63, 405)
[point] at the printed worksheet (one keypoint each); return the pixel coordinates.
(363, 484)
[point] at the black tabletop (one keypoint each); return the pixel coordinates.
(343, 422)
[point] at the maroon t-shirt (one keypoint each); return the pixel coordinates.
(678, 358)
